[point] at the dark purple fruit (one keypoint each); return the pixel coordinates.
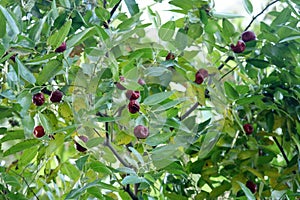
(170, 56)
(39, 131)
(248, 36)
(56, 96)
(198, 78)
(61, 48)
(252, 186)
(141, 132)
(38, 99)
(248, 128)
(239, 47)
(133, 106)
(78, 146)
(132, 95)
(119, 85)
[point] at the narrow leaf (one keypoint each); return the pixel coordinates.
(247, 192)
(10, 20)
(258, 63)
(2, 25)
(248, 6)
(24, 72)
(59, 36)
(132, 6)
(21, 146)
(49, 71)
(157, 98)
(230, 91)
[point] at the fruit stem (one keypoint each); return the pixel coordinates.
(281, 150)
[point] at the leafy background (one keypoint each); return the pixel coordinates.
(197, 147)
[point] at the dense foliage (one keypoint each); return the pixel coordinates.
(96, 103)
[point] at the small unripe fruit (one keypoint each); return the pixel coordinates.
(170, 56)
(141, 81)
(252, 186)
(132, 95)
(248, 128)
(198, 78)
(119, 85)
(248, 36)
(133, 106)
(56, 96)
(141, 132)
(78, 146)
(39, 131)
(61, 48)
(38, 99)
(239, 47)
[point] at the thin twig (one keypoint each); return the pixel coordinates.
(281, 150)
(187, 113)
(128, 190)
(255, 17)
(26, 184)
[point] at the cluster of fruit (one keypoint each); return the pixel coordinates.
(241, 45)
(39, 99)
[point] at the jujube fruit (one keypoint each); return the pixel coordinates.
(61, 48)
(248, 128)
(141, 132)
(133, 106)
(252, 186)
(170, 56)
(239, 47)
(38, 99)
(248, 36)
(56, 96)
(132, 95)
(78, 146)
(38, 131)
(200, 75)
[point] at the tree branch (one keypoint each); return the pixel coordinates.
(281, 150)
(113, 10)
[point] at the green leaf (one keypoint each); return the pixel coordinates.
(21, 146)
(228, 28)
(167, 31)
(10, 20)
(230, 91)
(132, 6)
(77, 192)
(282, 18)
(80, 163)
(137, 155)
(2, 25)
(99, 167)
(5, 112)
(157, 98)
(154, 140)
(208, 144)
(169, 105)
(13, 135)
(79, 37)
(222, 15)
(181, 39)
(28, 155)
(133, 179)
(49, 71)
(102, 13)
(59, 36)
(248, 6)
(55, 144)
(291, 38)
(106, 119)
(247, 192)
(258, 63)
(70, 170)
(24, 72)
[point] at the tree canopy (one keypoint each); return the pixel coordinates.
(96, 103)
